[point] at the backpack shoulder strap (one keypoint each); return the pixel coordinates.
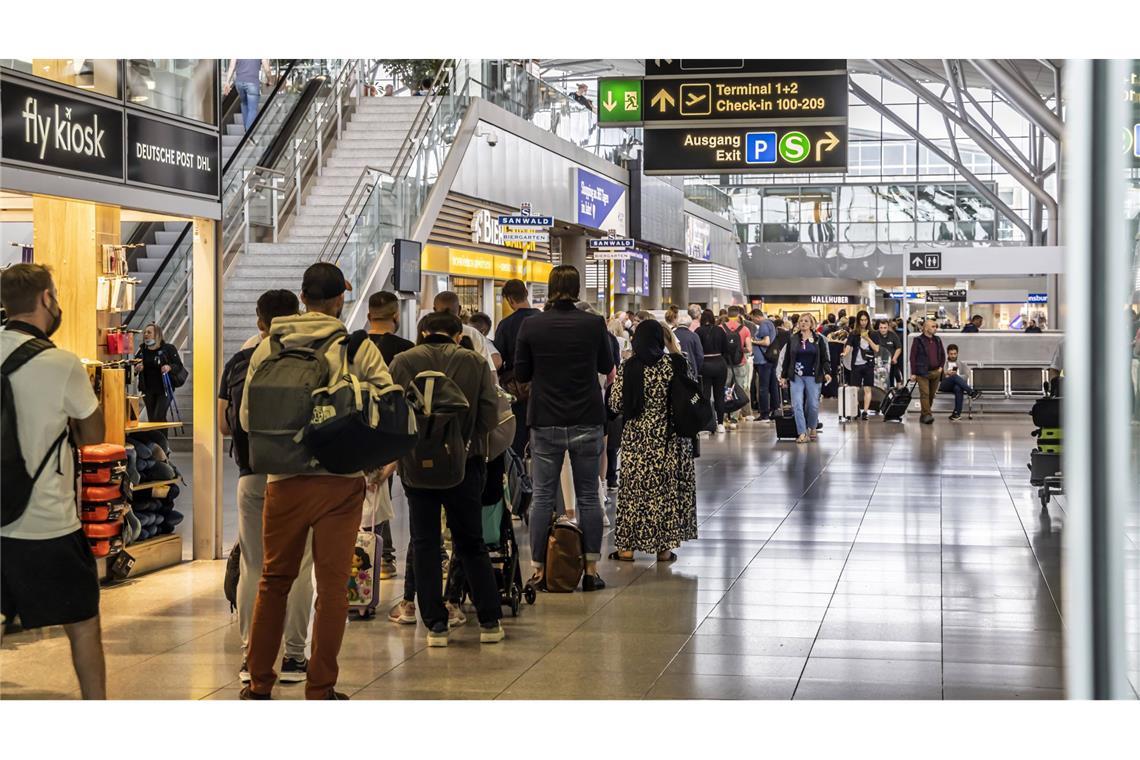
(24, 353)
(355, 341)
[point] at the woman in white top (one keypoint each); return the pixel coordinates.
(862, 348)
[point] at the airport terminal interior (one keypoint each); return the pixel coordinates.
(959, 521)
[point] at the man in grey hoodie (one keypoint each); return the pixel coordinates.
(330, 505)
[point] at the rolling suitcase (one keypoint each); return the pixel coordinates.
(785, 419)
(848, 402)
(896, 402)
(364, 575)
(103, 463)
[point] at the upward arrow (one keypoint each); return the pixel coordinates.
(609, 103)
(661, 99)
(916, 262)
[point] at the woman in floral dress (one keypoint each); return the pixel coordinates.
(657, 486)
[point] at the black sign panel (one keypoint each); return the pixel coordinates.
(171, 156)
(925, 261)
(681, 66)
(755, 149)
(751, 99)
(812, 299)
(57, 132)
(946, 296)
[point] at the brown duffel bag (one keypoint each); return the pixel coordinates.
(565, 556)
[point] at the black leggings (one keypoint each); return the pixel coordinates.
(714, 377)
(156, 406)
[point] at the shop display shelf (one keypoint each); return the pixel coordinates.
(146, 427)
(154, 484)
(150, 555)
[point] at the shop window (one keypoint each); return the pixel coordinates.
(470, 292)
(97, 75)
(181, 86)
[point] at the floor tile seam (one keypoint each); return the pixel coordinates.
(1036, 557)
(839, 578)
(577, 628)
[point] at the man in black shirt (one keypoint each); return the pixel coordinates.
(580, 97)
(560, 353)
(515, 296)
(890, 350)
(383, 326)
(975, 324)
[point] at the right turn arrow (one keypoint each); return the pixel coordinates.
(830, 142)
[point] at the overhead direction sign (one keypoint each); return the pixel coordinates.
(946, 296)
(619, 101)
(655, 67)
(753, 98)
(524, 228)
(925, 261)
(527, 221)
(613, 255)
(817, 148)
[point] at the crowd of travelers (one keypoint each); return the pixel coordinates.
(594, 405)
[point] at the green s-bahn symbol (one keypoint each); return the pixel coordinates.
(794, 147)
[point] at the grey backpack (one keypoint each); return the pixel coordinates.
(439, 458)
(280, 400)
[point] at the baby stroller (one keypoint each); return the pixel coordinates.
(499, 536)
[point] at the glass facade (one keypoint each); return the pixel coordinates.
(98, 75)
(184, 87)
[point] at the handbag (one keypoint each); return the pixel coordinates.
(513, 386)
(735, 398)
(691, 411)
(500, 437)
(379, 503)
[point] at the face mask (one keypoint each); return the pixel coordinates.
(56, 318)
(150, 342)
(627, 324)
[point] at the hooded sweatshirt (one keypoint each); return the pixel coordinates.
(305, 330)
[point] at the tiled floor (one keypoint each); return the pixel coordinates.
(886, 562)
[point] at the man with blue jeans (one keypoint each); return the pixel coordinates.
(954, 381)
(560, 353)
(762, 383)
(243, 74)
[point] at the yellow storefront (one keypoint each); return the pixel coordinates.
(478, 277)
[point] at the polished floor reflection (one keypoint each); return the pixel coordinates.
(885, 562)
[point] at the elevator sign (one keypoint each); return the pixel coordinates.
(925, 261)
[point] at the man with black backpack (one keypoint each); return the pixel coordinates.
(453, 395)
(251, 499)
(47, 571)
(299, 356)
(739, 358)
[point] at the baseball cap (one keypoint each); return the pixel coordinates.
(323, 281)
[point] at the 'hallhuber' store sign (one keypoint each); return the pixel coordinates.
(45, 129)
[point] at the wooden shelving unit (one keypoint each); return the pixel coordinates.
(146, 427)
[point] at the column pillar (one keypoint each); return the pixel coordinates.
(654, 299)
(574, 254)
(680, 287)
(207, 348)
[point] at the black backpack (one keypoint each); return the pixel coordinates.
(772, 352)
(235, 386)
(735, 352)
(17, 484)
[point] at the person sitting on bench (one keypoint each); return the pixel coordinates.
(954, 380)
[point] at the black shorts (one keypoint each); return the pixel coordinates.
(863, 375)
(48, 582)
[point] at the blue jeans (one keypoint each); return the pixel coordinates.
(249, 95)
(958, 385)
(548, 447)
(762, 389)
(805, 393)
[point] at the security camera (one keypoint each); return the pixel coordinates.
(492, 139)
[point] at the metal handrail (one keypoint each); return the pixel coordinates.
(414, 139)
(341, 225)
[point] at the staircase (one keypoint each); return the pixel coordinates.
(371, 138)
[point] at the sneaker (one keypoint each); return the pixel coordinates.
(927, 419)
(491, 634)
(455, 616)
(293, 671)
(955, 416)
(438, 635)
(243, 673)
(732, 426)
(340, 695)
(863, 416)
(975, 394)
(720, 428)
(403, 613)
(247, 692)
(593, 583)
(387, 570)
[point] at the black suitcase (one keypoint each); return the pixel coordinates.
(785, 419)
(896, 401)
(1042, 465)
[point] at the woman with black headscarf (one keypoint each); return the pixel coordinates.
(657, 487)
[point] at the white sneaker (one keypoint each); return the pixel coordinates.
(455, 616)
(720, 428)
(605, 519)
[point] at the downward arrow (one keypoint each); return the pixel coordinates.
(609, 103)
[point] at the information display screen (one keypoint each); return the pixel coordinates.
(406, 261)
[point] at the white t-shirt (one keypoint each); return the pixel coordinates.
(482, 345)
(48, 390)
